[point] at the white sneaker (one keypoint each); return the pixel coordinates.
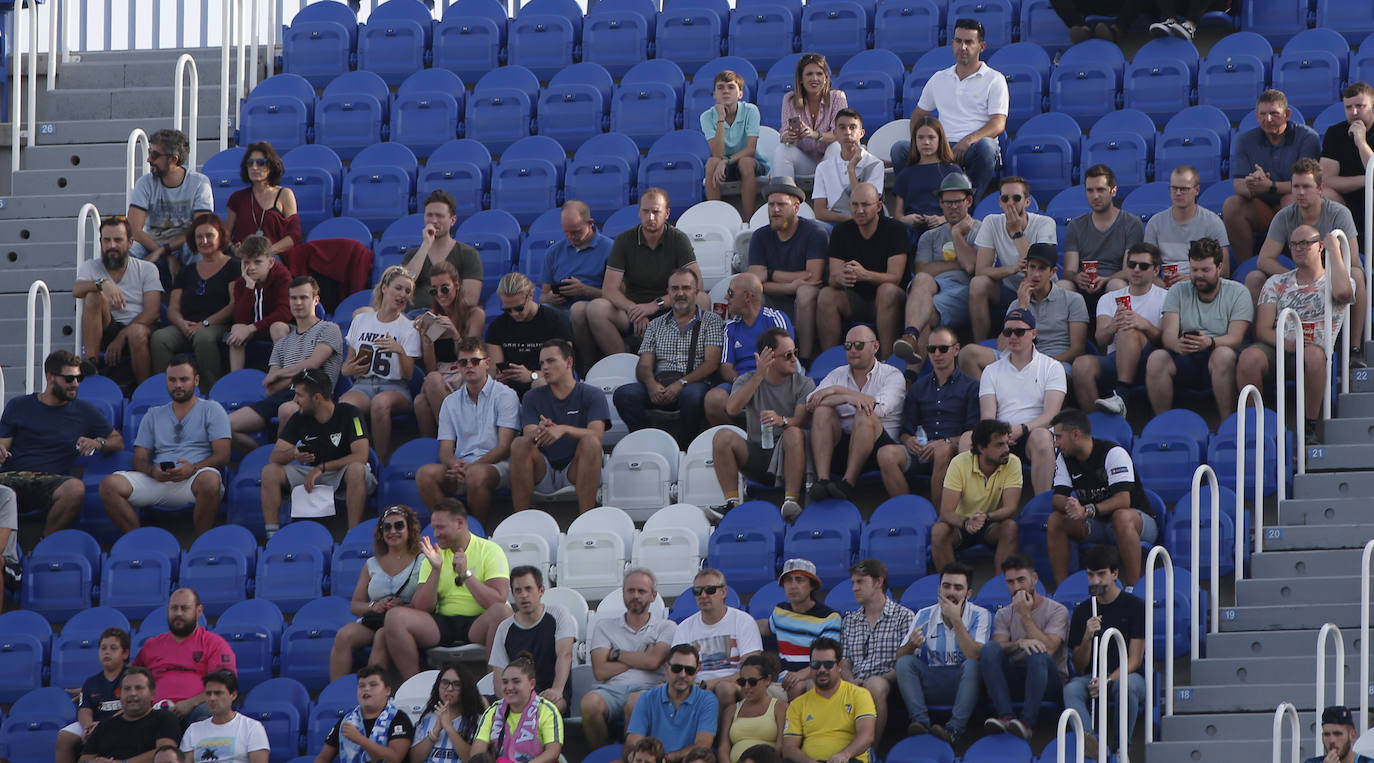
(791, 510)
(1113, 405)
(1182, 29)
(1160, 28)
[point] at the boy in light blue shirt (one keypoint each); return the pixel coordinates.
(732, 128)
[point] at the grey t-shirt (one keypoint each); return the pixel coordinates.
(139, 277)
(1052, 317)
(1108, 247)
(937, 245)
(1039, 230)
(1173, 239)
(1332, 217)
(297, 346)
(1212, 318)
(614, 633)
(170, 210)
(779, 398)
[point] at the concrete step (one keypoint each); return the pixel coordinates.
(98, 155)
(1226, 726)
(1327, 485)
(1294, 591)
(1249, 671)
(1317, 536)
(102, 103)
(1256, 698)
(1294, 512)
(21, 229)
(1229, 750)
(62, 206)
(1362, 379)
(61, 132)
(1349, 430)
(71, 180)
(1356, 405)
(1303, 564)
(1277, 618)
(99, 70)
(1339, 457)
(1277, 644)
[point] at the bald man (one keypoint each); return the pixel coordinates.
(748, 319)
(574, 267)
(867, 258)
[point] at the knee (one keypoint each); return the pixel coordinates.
(889, 293)
(1252, 362)
(137, 332)
(940, 533)
(435, 384)
(829, 297)
(355, 475)
(594, 704)
(747, 167)
(1126, 522)
(923, 283)
(1233, 207)
(1159, 363)
(113, 485)
(890, 457)
(1085, 366)
(823, 416)
(521, 447)
(206, 483)
(877, 686)
(793, 437)
(969, 668)
(1040, 441)
(1223, 359)
(806, 295)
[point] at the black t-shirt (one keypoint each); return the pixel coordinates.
(542, 645)
(1106, 471)
(847, 243)
(203, 297)
(1338, 145)
(331, 440)
(1126, 613)
(401, 728)
(102, 695)
(120, 738)
(520, 342)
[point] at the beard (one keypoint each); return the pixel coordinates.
(113, 259)
(183, 630)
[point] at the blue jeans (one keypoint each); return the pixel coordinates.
(632, 401)
(1076, 697)
(921, 684)
(1036, 675)
(980, 162)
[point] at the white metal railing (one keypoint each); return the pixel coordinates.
(137, 139)
(25, 15)
(185, 63)
(1241, 426)
(1287, 315)
(232, 27)
(1156, 554)
(1333, 630)
(1198, 474)
(36, 288)
(1364, 622)
(1368, 248)
(1286, 710)
(1333, 341)
(1070, 715)
(1110, 638)
(88, 219)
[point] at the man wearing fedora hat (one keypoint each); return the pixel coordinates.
(788, 257)
(1339, 732)
(945, 260)
(797, 622)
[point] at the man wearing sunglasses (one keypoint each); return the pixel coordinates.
(1026, 389)
(165, 201)
(1174, 230)
(680, 714)
(1128, 326)
(41, 436)
(438, 245)
(178, 453)
(835, 720)
(723, 636)
(1003, 242)
(945, 260)
(120, 300)
(515, 336)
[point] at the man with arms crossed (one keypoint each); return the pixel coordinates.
(627, 654)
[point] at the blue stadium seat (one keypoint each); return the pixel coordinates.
(1353, 20)
(617, 34)
(699, 96)
(898, 533)
(872, 82)
(340, 696)
(351, 555)
(294, 567)
(576, 104)
(1066, 205)
(1213, 197)
(398, 241)
(321, 42)
(827, 534)
(280, 110)
(921, 749)
(223, 171)
(1178, 532)
(908, 28)
(921, 593)
(776, 85)
(685, 605)
(140, 570)
(425, 110)
(836, 29)
(1234, 73)
(1033, 522)
(1362, 61)
(529, 178)
(105, 394)
(352, 111)
(1160, 79)
(1087, 82)
(621, 220)
(238, 388)
(281, 706)
(220, 566)
(470, 40)
(1221, 450)
(29, 733)
(253, 628)
(603, 174)
(1168, 450)
(343, 315)
(677, 163)
(1275, 20)
(1051, 752)
(1042, 27)
(930, 62)
(763, 600)
(545, 36)
(1045, 152)
(76, 651)
(1107, 426)
(396, 483)
(463, 169)
(341, 227)
(763, 33)
(690, 34)
(315, 174)
(746, 544)
(829, 359)
(307, 641)
(1200, 136)
(495, 234)
(999, 748)
(60, 575)
(25, 638)
(1026, 67)
(840, 597)
(396, 40)
(1311, 68)
(501, 108)
(1331, 115)
(1183, 615)
(545, 231)
(380, 185)
(648, 102)
(999, 19)
(1123, 140)
(94, 519)
(1150, 198)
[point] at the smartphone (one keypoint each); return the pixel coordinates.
(167, 466)
(794, 124)
(556, 288)
(365, 354)
(502, 365)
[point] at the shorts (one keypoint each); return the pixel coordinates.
(1108, 378)
(267, 407)
(756, 465)
(503, 478)
(1101, 531)
(617, 696)
(74, 729)
(453, 629)
(111, 332)
(297, 471)
(150, 492)
(1190, 369)
(840, 459)
(33, 490)
(732, 172)
(861, 309)
(554, 479)
(951, 301)
(370, 386)
(979, 538)
(1290, 360)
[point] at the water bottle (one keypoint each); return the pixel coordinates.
(921, 438)
(767, 438)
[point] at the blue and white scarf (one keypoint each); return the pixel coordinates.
(352, 752)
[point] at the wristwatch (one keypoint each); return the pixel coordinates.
(205, 323)
(99, 283)
(614, 655)
(659, 302)
(467, 574)
(1019, 234)
(534, 376)
(1090, 510)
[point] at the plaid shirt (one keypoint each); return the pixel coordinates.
(670, 345)
(872, 649)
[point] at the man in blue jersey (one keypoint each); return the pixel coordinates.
(748, 319)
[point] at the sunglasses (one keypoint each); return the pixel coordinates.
(450, 683)
(823, 664)
(445, 289)
(256, 162)
(155, 155)
(855, 345)
(389, 526)
(1011, 197)
(1014, 332)
(790, 354)
(690, 670)
(1138, 265)
(469, 361)
(71, 378)
(176, 431)
(939, 348)
(1304, 244)
(709, 590)
(113, 219)
(743, 682)
(516, 309)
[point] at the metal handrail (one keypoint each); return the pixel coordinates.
(1065, 717)
(1368, 246)
(232, 26)
(23, 12)
(1364, 621)
(1334, 630)
(1332, 341)
(1280, 379)
(137, 139)
(1155, 554)
(1204, 469)
(1110, 637)
(178, 97)
(36, 288)
(1286, 710)
(89, 212)
(1245, 395)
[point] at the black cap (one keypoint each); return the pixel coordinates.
(1021, 314)
(1338, 714)
(1046, 253)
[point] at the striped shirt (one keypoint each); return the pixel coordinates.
(872, 649)
(796, 630)
(941, 647)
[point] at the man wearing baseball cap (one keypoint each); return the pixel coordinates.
(797, 622)
(945, 259)
(1339, 733)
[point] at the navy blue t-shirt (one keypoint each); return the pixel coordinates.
(102, 696)
(45, 435)
(809, 242)
(582, 406)
(917, 185)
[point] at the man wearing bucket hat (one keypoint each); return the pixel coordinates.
(945, 259)
(798, 622)
(788, 256)
(1339, 733)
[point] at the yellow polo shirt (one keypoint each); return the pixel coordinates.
(979, 492)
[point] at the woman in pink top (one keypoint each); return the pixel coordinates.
(808, 119)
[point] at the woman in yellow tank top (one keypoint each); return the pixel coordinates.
(759, 718)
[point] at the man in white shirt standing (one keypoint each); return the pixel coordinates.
(226, 736)
(1026, 389)
(972, 100)
(842, 171)
(722, 634)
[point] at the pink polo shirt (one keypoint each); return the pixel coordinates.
(179, 666)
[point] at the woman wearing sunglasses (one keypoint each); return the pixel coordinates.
(199, 309)
(441, 328)
(758, 718)
(387, 580)
(449, 721)
(264, 208)
(523, 727)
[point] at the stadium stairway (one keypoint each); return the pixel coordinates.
(83, 127)
(1307, 575)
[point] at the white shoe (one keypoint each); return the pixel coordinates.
(1160, 28)
(1184, 29)
(1113, 405)
(791, 510)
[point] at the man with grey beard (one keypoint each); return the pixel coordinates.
(120, 297)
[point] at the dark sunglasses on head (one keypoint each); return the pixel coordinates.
(709, 590)
(256, 161)
(1138, 265)
(389, 526)
(113, 219)
(743, 682)
(855, 345)
(444, 289)
(1011, 197)
(690, 670)
(469, 361)
(1014, 332)
(939, 349)
(823, 664)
